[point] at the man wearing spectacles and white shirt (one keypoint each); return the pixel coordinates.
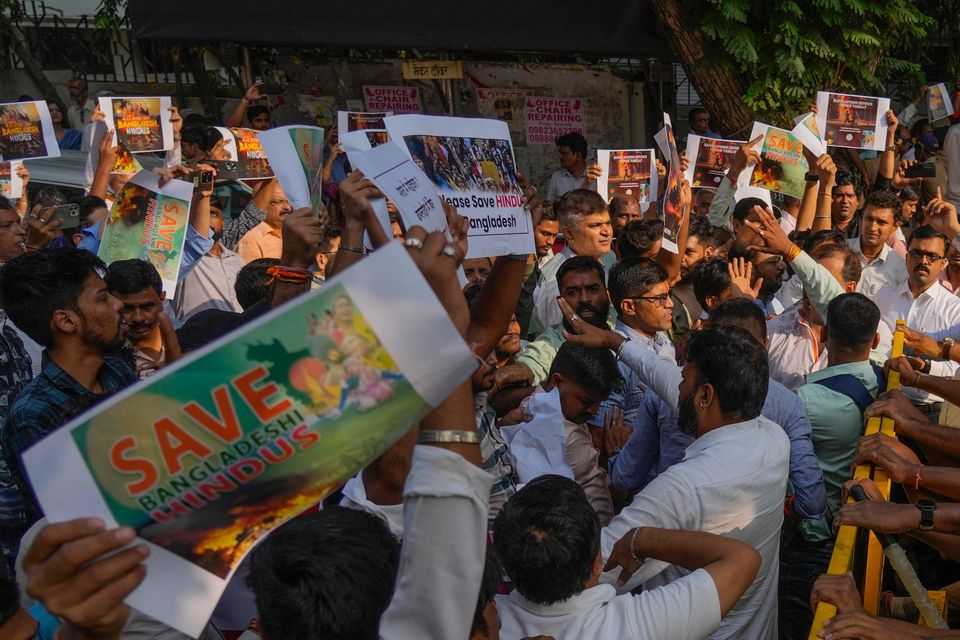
(640, 291)
(926, 306)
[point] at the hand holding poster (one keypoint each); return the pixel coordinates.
(370, 123)
(939, 104)
(296, 156)
(11, 183)
(671, 207)
(26, 131)
(630, 172)
(142, 124)
(471, 163)
(782, 167)
(215, 451)
(712, 158)
(149, 222)
(808, 132)
(855, 122)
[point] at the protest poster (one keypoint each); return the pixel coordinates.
(212, 453)
(149, 222)
(471, 163)
(296, 156)
(370, 123)
(711, 160)
(939, 104)
(243, 147)
(630, 172)
(855, 122)
(391, 169)
(142, 124)
(11, 184)
(671, 207)
(807, 131)
(782, 167)
(395, 99)
(550, 118)
(26, 131)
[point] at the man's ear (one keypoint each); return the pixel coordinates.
(628, 307)
(65, 321)
(876, 340)
(709, 252)
(705, 395)
(556, 379)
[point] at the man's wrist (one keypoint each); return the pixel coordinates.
(615, 341)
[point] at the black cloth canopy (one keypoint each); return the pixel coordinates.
(600, 27)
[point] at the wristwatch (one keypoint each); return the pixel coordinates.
(945, 345)
(927, 507)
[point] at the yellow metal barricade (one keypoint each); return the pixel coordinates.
(844, 550)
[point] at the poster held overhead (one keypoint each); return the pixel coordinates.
(710, 160)
(782, 167)
(630, 172)
(207, 457)
(404, 183)
(243, 147)
(149, 222)
(854, 122)
(809, 133)
(142, 123)
(471, 163)
(296, 157)
(939, 104)
(671, 206)
(371, 123)
(11, 184)
(26, 131)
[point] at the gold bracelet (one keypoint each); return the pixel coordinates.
(447, 436)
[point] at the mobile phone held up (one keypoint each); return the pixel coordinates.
(227, 170)
(203, 181)
(68, 214)
(921, 170)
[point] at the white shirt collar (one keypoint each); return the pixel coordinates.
(636, 336)
(587, 599)
(854, 243)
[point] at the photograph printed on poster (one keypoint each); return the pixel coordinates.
(465, 164)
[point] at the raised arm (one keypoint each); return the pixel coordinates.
(827, 170)
(108, 160)
(251, 95)
(356, 192)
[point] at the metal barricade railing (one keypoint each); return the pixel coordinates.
(845, 548)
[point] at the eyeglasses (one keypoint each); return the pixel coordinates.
(657, 301)
(920, 256)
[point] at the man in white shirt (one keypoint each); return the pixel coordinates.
(573, 172)
(882, 267)
(926, 306)
(548, 539)
(585, 223)
(733, 478)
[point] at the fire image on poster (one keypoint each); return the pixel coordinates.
(11, 184)
(671, 207)
(149, 222)
(249, 154)
(782, 167)
(856, 122)
(628, 172)
(127, 163)
(215, 451)
(395, 99)
(370, 123)
(26, 131)
(142, 124)
(713, 158)
(550, 118)
(471, 163)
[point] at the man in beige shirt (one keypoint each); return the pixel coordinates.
(263, 241)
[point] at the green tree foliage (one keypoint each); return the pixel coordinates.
(787, 50)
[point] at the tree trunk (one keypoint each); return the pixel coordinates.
(720, 90)
(208, 97)
(22, 48)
